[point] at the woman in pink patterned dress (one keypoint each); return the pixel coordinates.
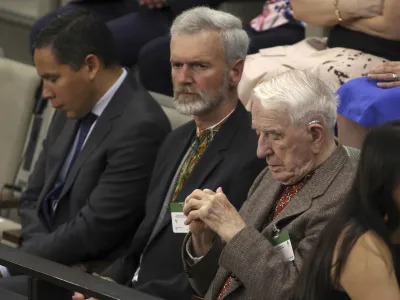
(275, 26)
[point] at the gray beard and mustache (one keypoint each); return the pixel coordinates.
(202, 101)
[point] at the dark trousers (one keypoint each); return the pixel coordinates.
(155, 68)
(131, 25)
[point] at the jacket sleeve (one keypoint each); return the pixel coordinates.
(123, 269)
(202, 273)
(254, 261)
(30, 222)
(115, 206)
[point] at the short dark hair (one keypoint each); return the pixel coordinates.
(73, 35)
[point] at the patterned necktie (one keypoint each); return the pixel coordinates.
(288, 193)
(52, 197)
(199, 145)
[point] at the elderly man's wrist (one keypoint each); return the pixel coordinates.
(227, 234)
(202, 242)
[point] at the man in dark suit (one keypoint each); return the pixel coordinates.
(216, 149)
(132, 22)
(85, 197)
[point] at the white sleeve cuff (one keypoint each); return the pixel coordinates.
(4, 272)
(195, 260)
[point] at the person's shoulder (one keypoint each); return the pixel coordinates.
(371, 244)
(180, 133)
(368, 271)
(138, 107)
(369, 249)
(348, 158)
(352, 153)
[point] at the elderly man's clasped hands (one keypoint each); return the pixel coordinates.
(210, 213)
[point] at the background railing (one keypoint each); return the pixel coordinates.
(49, 280)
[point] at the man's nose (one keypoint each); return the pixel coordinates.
(47, 92)
(264, 148)
(185, 75)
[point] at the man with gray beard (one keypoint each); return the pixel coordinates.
(215, 150)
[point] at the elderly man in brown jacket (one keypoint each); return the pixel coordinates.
(257, 253)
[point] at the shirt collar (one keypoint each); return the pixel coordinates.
(106, 98)
(215, 125)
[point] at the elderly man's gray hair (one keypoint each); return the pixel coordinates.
(235, 39)
(304, 96)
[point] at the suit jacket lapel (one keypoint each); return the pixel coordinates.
(213, 155)
(166, 176)
(98, 134)
(101, 129)
(175, 158)
(315, 187)
(259, 217)
(209, 161)
(62, 146)
(300, 203)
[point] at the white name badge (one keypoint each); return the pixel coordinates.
(282, 243)
(178, 218)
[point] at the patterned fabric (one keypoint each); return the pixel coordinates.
(288, 193)
(225, 288)
(199, 145)
(275, 13)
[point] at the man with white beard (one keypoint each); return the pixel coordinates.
(215, 150)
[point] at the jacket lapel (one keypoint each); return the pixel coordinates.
(213, 155)
(263, 196)
(62, 146)
(100, 131)
(315, 187)
(98, 134)
(211, 158)
(175, 158)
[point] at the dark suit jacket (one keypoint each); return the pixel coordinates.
(229, 161)
(259, 269)
(103, 199)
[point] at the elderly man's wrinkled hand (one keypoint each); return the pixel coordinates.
(215, 210)
(153, 3)
(388, 74)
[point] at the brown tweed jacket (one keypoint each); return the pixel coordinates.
(259, 270)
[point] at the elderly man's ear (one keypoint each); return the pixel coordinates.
(317, 134)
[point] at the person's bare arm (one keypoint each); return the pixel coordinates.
(369, 272)
(385, 25)
(322, 12)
